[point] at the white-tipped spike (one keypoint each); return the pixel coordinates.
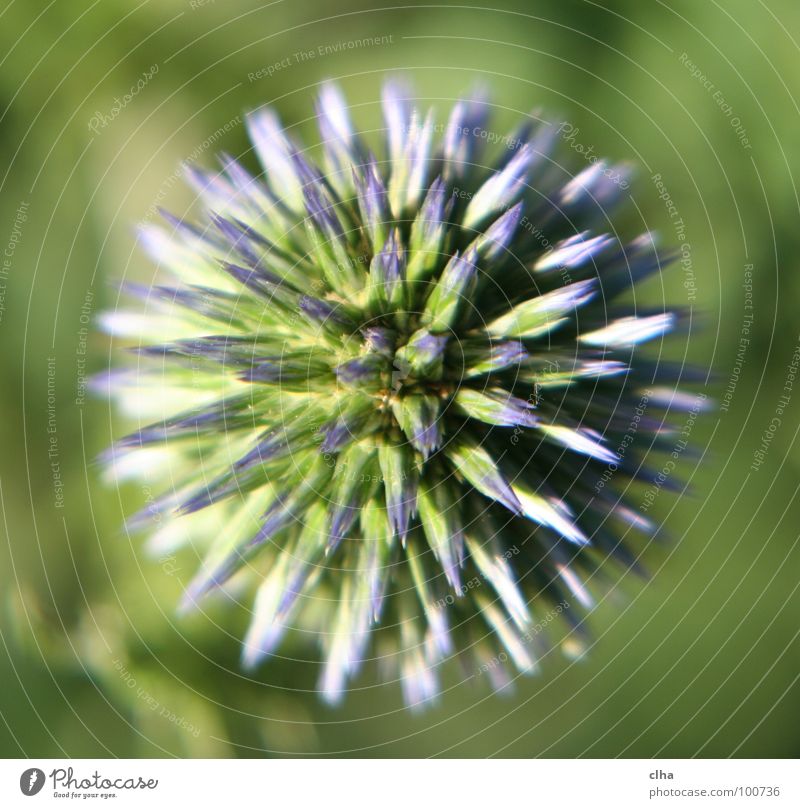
(266, 627)
(418, 159)
(175, 533)
(345, 645)
(512, 642)
(141, 464)
(333, 107)
(190, 265)
(579, 440)
(629, 331)
(274, 151)
(499, 191)
(122, 323)
(597, 181)
(419, 683)
(438, 637)
(214, 190)
(396, 114)
(544, 313)
(497, 571)
(575, 586)
(573, 252)
(544, 512)
(582, 183)
(673, 399)
(632, 518)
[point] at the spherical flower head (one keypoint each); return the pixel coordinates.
(396, 395)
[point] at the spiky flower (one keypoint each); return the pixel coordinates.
(397, 395)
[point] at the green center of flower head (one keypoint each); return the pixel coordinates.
(394, 394)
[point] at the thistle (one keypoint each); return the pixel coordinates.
(392, 396)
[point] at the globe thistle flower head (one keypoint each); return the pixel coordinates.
(380, 391)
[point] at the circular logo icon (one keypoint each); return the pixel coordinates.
(31, 781)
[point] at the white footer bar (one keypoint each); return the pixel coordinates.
(402, 783)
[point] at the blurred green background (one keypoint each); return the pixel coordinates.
(702, 660)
